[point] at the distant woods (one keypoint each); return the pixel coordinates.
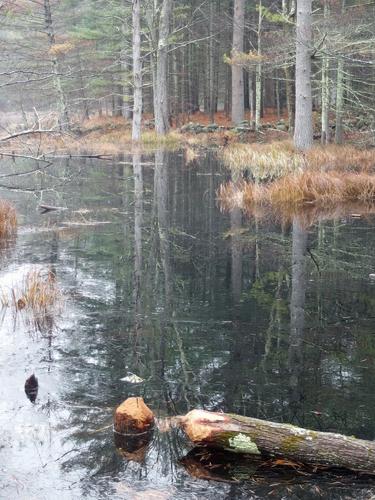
(298, 63)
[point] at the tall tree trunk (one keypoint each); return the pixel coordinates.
(258, 74)
(126, 68)
(339, 100)
(63, 115)
(339, 93)
(211, 77)
(161, 98)
(137, 72)
(303, 133)
(251, 98)
(289, 72)
(325, 87)
(290, 96)
(277, 95)
(238, 104)
(85, 105)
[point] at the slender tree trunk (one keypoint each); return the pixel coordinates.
(161, 100)
(325, 101)
(277, 95)
(126, 68)
(290, 96)
(325, 87)
(85, 106)
(251, 98)
(63, 115)
(211, 77)
(258, 74)
(339, 100)
(238, 104)
(303, 133)
(289, 74)
(340, 93)
(137, 72)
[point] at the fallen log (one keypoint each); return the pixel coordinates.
(251, 436)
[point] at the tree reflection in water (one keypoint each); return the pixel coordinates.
(243, 324)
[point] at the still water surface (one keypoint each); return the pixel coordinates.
(210, 309)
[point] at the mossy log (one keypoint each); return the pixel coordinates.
(259, 437)
(251, 436)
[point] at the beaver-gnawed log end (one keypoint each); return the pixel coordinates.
(133, 416)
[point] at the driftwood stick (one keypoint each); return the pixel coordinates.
(49, 208)
(251, 436)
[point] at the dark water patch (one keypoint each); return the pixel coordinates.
(210, 310)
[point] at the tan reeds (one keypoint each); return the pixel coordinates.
(8, 219)
(311, 191)
(277, 159)
(264, 161)
(37, 294)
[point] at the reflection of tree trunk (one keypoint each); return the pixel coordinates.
(257, 250)
(236, 274)
(138, 220)
(297, 311)
(161, 185)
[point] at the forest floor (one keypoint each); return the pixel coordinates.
(107, 135)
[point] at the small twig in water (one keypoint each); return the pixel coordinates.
(314, 260)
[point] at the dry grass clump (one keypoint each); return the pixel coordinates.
(323, 188)
(310, 191)
(278, 159)
(264, 161)
(8, 219)
(37, 294)
(190, 155)
(335, 157)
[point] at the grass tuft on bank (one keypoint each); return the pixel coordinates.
(266, 162)
(314, 193)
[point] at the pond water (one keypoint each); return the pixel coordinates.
(211, 309)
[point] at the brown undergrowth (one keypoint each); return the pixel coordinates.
(8, 219)
(111, 137)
